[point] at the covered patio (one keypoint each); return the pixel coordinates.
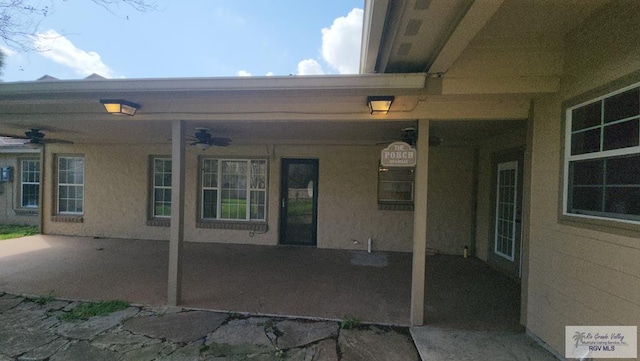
(284, 281)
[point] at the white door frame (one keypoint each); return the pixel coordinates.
(512, 202)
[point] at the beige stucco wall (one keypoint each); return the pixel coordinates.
(579, 275)
(487, 150)
(117, 181)
(450, 199)
(10, 211)
(116, 196)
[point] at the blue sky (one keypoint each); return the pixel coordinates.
(201, 39)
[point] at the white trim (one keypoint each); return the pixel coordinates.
(568, 157)
(58, 184)
(594, 100)
(21, 162)
(219, 189)
(512, 165)
(154, 187)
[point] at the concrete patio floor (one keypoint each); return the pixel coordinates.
(290, 281)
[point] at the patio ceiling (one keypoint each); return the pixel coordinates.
(477, 60)
(272, 110)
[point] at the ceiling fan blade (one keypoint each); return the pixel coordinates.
(13, 136)
(220, 141)
(59, 141)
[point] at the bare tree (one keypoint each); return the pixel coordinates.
(19, 19)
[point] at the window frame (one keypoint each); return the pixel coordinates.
(154, 186)
(231, 223)
(58, 185)
(22, 183)
(395, 204)
(600, 95)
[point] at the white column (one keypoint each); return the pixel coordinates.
(420, 225)
(174, 291)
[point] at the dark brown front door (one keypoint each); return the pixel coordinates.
(299, 202)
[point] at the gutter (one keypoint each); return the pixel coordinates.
(372, 82)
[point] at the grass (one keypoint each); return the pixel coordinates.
(8, 231)
(350, 322)
(85, 311)
(43, 300)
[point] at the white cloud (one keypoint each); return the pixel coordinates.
(6, 51)
(270, 73)
(309, 67)
(243, 73)
(61, 50)
(341, 43)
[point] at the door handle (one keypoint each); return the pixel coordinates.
(282, 202)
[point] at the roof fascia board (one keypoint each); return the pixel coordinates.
(473, 21)
(375, 13)
(293, 83)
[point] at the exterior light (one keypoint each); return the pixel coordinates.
(380, 104)
(120, 107)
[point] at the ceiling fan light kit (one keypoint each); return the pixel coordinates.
(204, 140)
(203, 146)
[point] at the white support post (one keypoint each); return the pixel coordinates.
(174, 291)
(420, 225)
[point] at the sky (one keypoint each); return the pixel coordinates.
(196, 38)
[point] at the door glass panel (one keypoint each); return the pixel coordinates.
(299, 203)
(506, 202)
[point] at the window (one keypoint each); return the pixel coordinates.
(29, 183)
(602, 157)
(70, 185)
(395, 185)
(233, 189)
(161, 188)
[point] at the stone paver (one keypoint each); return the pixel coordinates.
(177, 327)
(95, 325)
(325, 350)
(45, 351)
(24, 330)
(190, 352)
(9, 303)
(34, 331)
(146, 353)
(83, 351)
(240, 337)
(298, 334)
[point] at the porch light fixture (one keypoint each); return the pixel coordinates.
(379, 104)
(120, 107)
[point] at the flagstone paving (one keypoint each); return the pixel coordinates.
(35, 329)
